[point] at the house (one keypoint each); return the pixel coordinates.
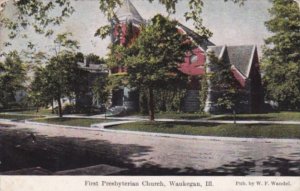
(243, 60)
(92, 71)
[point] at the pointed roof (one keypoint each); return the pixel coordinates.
(240, 57)
(127, 12)
(203, 42)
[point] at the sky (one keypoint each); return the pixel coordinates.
(230, 23)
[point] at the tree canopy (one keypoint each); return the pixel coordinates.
(223, 83)
(12, 78)
(281, 55)
(152, 60)
(57, 80)
(40, 14)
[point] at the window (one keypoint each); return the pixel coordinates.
(194, 59)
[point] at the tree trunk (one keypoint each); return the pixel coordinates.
(52, 106)
(59, 108)
(151, 104)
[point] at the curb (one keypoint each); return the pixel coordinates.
(199, 137)
(62, 126)
(255, 122)
(109, 124)
(167, 135)
(7, 120)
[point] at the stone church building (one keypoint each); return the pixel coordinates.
(243, 60)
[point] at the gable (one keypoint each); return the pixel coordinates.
(203, 42)
(241, 58)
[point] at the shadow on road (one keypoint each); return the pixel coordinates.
(271, 167)
(20, 149)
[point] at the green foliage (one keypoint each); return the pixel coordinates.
(94, 59)
(195, 9)
(166, 100)
(37, 14)
(211, 129)
(281, 55)
(81, 122)
(38, 95)
(194, 15)
(16, 117)
(117, 80)
(223, 83)
(12, 78)
(80, 57)
(203, 92)
(152, 59)
(100, 90)
(57, 80)
(170, 99)
(116, 56)
(63, 42)
(103, 31)
(143, 102)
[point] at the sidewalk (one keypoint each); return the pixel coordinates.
(141, 118)
(103, 127)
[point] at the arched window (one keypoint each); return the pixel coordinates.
(193, 59)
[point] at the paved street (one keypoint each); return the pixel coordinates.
(57, 149)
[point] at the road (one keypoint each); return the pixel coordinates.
(58, 149)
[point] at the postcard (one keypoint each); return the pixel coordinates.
(149, 95)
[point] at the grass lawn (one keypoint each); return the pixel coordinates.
(280, 116)
(174, 115)
(17, 117)
(40, 112)
(83, 122)
(208, 129)
(47, 112)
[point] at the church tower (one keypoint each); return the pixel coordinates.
(126, 28)
(127, 13)
(127, 23)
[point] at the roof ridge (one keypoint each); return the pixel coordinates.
(243, 45)
(222, 51)
(251, 60)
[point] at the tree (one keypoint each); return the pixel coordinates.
(223, 84)
(37, 13)
(57, 80)
(108, 7)
(39, 94)
(12, 77)
(100, 90)
(94, 59)
(63, 42)
(281, 55)
(152, 60)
